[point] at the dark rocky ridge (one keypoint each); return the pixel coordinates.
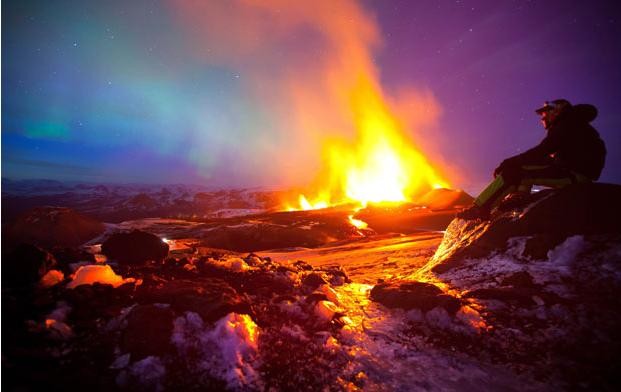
(54, 226)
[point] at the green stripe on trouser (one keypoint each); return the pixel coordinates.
(498, 189)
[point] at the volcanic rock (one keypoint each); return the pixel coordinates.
(411, 294)
(210, 298)
(148, 331)
(135, 247)
(404, 218)
(544, 273)
(545, 220)
(54, 226)
(249, 238)
(25, 265)
(442, 199)
(313, 280)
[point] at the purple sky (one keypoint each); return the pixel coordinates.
(114, 91)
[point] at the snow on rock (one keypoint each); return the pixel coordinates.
(146, 374)
(325, 311)
(90, 274)
(226, 351)
(232, 263)
(55, 322)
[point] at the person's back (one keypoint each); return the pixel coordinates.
(580, 147)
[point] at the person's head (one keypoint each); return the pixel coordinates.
(551, 110)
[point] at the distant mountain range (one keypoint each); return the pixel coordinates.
(119, 202)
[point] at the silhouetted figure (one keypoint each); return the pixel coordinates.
(572, 152)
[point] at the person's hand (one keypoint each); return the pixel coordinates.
(500, 168)
(504, 165)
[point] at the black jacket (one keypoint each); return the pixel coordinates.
(571, 142)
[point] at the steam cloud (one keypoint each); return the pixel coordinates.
(303, 61)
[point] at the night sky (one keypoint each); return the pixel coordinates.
(181, 92)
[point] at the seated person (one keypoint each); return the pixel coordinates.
(572, 152)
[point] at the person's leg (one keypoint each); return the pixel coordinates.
(522, 179)
(518, 179)
(496, 190)
(552, 176)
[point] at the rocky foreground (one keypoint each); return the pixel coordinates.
(526, 301)
(544, 276)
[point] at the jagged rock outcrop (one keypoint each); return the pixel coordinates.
(544, 273)
(543, 220)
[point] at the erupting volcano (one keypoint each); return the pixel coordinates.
(380, 165)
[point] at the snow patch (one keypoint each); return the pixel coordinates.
(148, 373)
(235, 264)
(228, 351)
(90, 274)
(55, 321)
(565, 253)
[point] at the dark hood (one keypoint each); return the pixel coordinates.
(583, 112)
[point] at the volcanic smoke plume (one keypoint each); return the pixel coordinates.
(330, 116)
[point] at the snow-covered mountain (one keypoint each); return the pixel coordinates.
(119, 202)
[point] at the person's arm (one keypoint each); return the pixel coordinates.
(538, 153)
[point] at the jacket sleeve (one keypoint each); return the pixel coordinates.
(540, 153)
(549, 145)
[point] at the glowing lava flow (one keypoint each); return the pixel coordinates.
(359, 224)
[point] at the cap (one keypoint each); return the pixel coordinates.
(553, 105)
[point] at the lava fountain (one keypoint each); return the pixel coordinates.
(380, 165)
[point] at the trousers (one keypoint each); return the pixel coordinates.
(522, 179)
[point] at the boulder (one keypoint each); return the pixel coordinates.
(25, 265)
(136, 247)
(54, 226)
(313, 280)
(411, 294)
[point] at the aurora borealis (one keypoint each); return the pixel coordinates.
(179, 91)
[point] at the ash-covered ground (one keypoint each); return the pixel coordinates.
(306, 301)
